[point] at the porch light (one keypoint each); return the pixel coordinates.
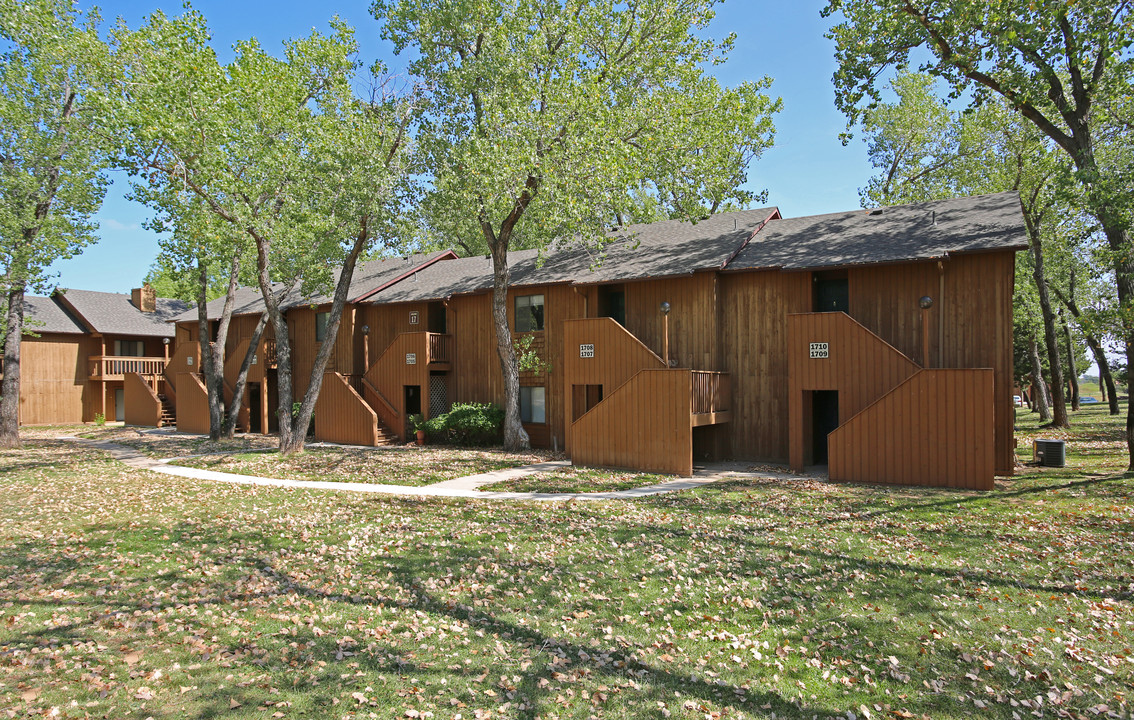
(165, 341)
(664, 308)
(365, 329)
(665, 332)
(925, 302)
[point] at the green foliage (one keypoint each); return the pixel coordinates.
(55, 135)
(417, 421)
(99, 419)
(527, 359)
(466, 424)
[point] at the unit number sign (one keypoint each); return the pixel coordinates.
(587, 351)
(818, 350)
(411, 358)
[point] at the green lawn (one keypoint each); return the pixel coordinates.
(578, 480)
(401, 465)
(125, 594)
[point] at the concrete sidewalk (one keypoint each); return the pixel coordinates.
(462, 487)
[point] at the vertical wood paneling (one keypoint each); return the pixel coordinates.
(753, 341)
(693, 332)
(53, 380)
(142, 404)
(644, 425)
(192, 404)
(342, 416)
(970, 326)
(946, 441)
(860, 366)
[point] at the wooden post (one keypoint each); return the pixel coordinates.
(925, 337)
(365, 352)
(665, 341)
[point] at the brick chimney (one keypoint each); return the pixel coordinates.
(144, 298)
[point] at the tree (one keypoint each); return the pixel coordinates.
(547, 121)
(282, 153)
(1054, 64)
(53, 152)
(924, 151)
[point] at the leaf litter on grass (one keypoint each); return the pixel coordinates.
(126, 594)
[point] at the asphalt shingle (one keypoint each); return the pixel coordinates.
(897, 233)
(115, 314)
(44, 315)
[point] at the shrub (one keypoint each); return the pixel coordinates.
(99, 419)
(467, 424)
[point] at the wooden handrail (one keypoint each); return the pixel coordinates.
(440, 347)
(377, 393)
(116, 366)
(711, 391)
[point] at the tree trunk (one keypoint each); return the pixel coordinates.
(1039, 396)
(1072, 374)
(10, 402)
(515, 438)
(213, 377)
(1106, 379)
(1050, 339)
(229, 429)
(338, 303)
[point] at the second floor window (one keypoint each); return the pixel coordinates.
(529, 313)
(320, 326)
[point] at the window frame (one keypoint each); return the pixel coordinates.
(531, 405)
(528, 312)
(321, 332)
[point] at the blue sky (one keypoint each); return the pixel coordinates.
(807, 172)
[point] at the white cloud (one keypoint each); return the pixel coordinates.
(112, 224)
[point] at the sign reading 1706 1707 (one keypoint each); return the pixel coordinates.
(818, 351)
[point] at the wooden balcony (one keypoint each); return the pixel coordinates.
(440, 348)
(115, 367)
(711, 394)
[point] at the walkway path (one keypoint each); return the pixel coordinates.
(462, 487)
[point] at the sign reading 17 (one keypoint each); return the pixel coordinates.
(819, 350)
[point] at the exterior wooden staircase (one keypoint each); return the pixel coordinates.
(168, 415)
(647, 411)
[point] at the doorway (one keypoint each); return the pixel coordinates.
(612, 303)
(832, 292)
(824, 421)
(254, 409)
(435, 318)
(120, 404)
(412, 405)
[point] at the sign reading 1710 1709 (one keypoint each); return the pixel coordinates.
(818, 350)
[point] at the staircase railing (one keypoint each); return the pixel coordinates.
(711, 392)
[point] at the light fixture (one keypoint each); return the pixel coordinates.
(664, 308)
(165, 341)
(925, 302)
(365, 329)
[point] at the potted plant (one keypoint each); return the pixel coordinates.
(418, 423)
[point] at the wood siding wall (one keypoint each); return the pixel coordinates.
(644, 425)
(53, 380)
(142, 404)
(342, 416)
(391, 374)
(861, 367)
(970, 323)
(192, 404)
(936, 429)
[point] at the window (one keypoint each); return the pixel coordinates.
(529, 313)
(129, 348)
(320, 326)
(533, 404)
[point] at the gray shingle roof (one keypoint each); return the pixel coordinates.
(44, 315)
(115, 314)
(636, 252)
(892, 234)
(368, 276)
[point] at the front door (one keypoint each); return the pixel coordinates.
(120, 405)
(412, 405)
(825, 418)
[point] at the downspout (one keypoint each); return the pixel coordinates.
(941, 315)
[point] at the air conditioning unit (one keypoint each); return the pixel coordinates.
(1049, 453)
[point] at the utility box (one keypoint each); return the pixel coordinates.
(1049, 453)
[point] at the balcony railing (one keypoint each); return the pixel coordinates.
(440, 348)
(270, 353)
(711, 391)
(115, 367)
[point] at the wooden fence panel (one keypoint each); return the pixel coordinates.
(142, 404)
(643, 425)
(936, 429)
(192, 404)
(342, 416)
